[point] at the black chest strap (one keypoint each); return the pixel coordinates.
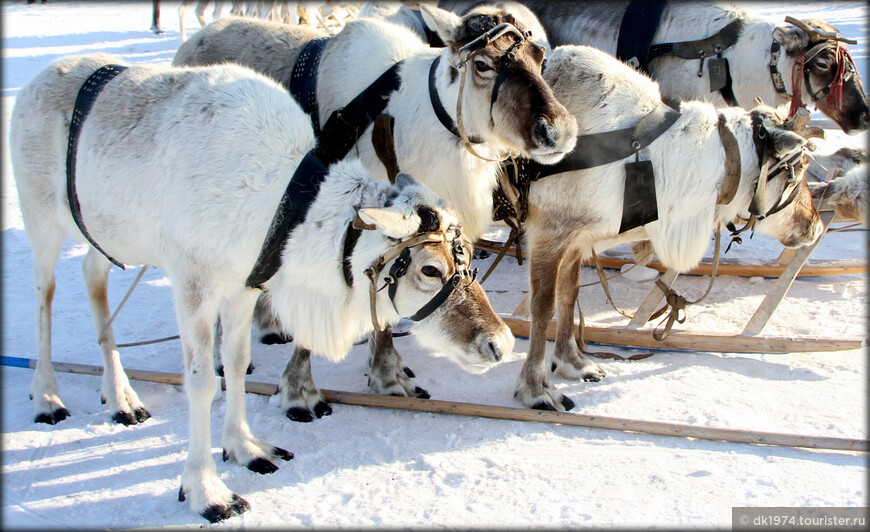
(639, 25)
(297, 198)
(303, 79)
(602, 148)
(346, 125)
(85, 100)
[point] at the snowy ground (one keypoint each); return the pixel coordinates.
(366, 467)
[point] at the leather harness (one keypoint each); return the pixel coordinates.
(85, 100)
(634, 46)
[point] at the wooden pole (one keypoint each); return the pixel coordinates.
(507, 413)
(698, 341)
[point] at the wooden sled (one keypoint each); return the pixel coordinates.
(791, 261)
(728, 266)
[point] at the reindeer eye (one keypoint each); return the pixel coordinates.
(430, 271)
(480, 66)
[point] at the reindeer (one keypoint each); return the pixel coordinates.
(699, 183)
(158, 176)
(803, 63)
(507, 108)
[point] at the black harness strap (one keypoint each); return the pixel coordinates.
(351, 236)
(639, 25)
(303, 79)
(297, 198)
(438, 107)
(85, 100)
(345, 126)
(709, 47)
(335, 140)
(603, 148)
(634, 45)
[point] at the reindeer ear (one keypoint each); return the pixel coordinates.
(443, 22)
(390, 222)
(792, 39)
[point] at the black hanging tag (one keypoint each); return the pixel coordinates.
(639, 199)
(718, 68)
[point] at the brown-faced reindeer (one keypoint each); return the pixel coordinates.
(506, 108)
(705, 164)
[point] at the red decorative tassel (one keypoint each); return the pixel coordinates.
(835, 96)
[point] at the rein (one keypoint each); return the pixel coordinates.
(401, 255)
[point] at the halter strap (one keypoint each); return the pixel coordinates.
(438, 107)
(85, 100)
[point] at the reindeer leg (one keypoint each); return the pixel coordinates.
(300, 398)
(271, 330)
(569, 360)
(239, 443)
(47, 243)
(388, 374)
(196, 310)
(116, 390)
(534, 388)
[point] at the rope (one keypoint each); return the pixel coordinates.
(102, 336)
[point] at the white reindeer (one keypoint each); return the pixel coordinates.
(571, 211)
(597, 23)
(525, 118)
(162, 179)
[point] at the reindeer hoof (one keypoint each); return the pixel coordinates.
(125, 418)
(262, 466)
(141, 415)
(282, 454)
(421, 393)
(53, 417)
(543, 405)
(216, 513)
(275, 338)
(408, 372)
(566, 402)
(322, 409)
(300, 415)
(594, 376)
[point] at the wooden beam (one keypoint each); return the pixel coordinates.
(777, 292)
(519, 414)
(699, 341)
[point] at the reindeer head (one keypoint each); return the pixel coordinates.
(824, 72)
(785, 208)
(428, 278)
(505, 99)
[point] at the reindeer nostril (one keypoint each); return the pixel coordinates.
(544, 134)
(494, 351)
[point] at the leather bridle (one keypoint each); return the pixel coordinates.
(400, 256)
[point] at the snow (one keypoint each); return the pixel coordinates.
(366, 467)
